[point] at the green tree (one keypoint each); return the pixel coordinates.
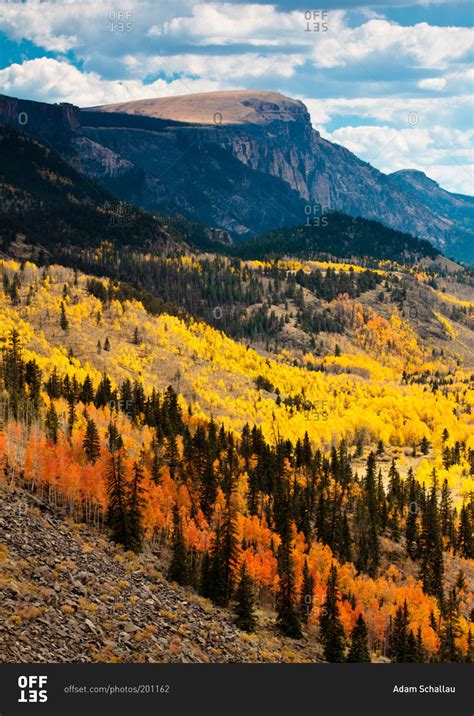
(52, 423)
(135, 507)
(63, 322)
(330, 625)
(359, 650)
(288, 619)
(91, 442)
(178, 570)
(431, 546)
(307, 593)
(244, 608)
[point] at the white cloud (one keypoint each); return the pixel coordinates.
(399, 111)
(224, 68)
(230, 23)
(444, 155)
(421, 45)
(432, 83)
(51, 80)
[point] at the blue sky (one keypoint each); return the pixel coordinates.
(392, 82)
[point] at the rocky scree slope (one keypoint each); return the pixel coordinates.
(68, 594)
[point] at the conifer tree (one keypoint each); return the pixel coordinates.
(63, 322)
(367, 522)
(91, 442)
(465, 540)
(116, 488)
(411, 527)
(288, 619)
(52, 423)
(331, 629)
(71, 419)
(135, 506)
(425, 445)
(179, 569)
(245, 610)
(359, 650)
(398, 635)
(450, 631)
(431, 546)
(307, 592)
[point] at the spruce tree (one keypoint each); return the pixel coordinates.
(398, 635)
(52, 423)
(91, 442)
(307, 590)
(411, 527)
(178, 570)
(359, 650)
(368, 556)
(465, 541)
(63, 322)
(244, 608)
(288, 619)
(116, 488)
(331, 629)
(432, 566)
(135, 507)
(450, 631)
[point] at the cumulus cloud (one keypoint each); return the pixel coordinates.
(119, 50)
(444, 155)
(51, 80)
(423, 45)
(223, 68)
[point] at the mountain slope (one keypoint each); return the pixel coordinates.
(273, 135)
(243, 162)
(340, 236)
(85, 601)
(47, 204)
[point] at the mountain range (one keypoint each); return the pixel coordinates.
(243, 162)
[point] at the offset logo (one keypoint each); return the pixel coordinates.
(33, 689)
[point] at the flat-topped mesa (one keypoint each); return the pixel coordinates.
(231, 107)
(39, 118)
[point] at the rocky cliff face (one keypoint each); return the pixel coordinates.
(39, 118)
(245, 162)
(272, 135)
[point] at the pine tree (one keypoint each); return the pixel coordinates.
(450, 631)
(331, 629)
(135, 507)
(246, 619)
(116, 488)
(71, 419)
(368, 556)
(398, 635)
(465, 541)
(411, 655)
(91, 442)
(179, 569)
(287, 615)
(359, 651)
(425, 445)
(411, 527)
(52, 423)
(106, 344)
(307, 590)
(431, 546)
(63, 322)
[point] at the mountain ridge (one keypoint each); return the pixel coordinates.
(246, 177)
